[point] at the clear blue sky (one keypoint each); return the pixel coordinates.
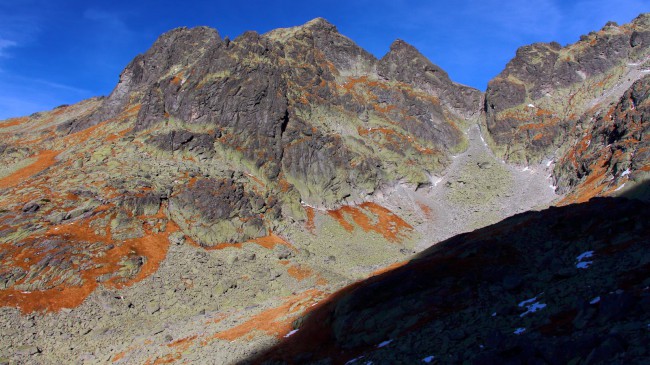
(60, 52)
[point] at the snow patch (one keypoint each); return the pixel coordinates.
(595, 300)
(584, 264)
(531, 105)
(548, 164)
(620, 187)
(428, 359)
(553, 187)
(626, 172)
(527, 301)
(532, 306)
(385, 343)
(585, 255)
(519, 331)
(290, 333)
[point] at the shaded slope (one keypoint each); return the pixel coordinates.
(565, 284)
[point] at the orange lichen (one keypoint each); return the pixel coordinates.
(13, 122)
(273, 322)
(300, 273)
(269, 242)
(373, 217)
(310, 225)
(183, 344)
(153, 246)
(426, 210)
(44, 160)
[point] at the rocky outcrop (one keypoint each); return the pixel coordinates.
(538, 98)
(221, 211)
(406, 64)
(613, 148)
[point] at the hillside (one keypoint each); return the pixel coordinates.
(228, 193)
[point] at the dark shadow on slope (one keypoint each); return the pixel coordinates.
(563, 285)
(640, 192)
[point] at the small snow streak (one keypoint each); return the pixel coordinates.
(519, 331)
(385, 343)
(428, 359)
(584, 264)
(595, 300)
(290, 333)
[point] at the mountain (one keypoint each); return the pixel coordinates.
(582, 106)
(228, 193)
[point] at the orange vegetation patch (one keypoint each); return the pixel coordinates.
(426, 210)
(396, 139)
(120, 134)
(183, 343)
(273, 322)
(373, 217)
(300, 273)
(13, 121)
(310, 225)
(153, 247)
(269, 242)
(44, 160)
(593, 186)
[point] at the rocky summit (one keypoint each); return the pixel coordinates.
(287, 197)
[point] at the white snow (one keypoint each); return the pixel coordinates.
(494, 314)
(526, 169)
(527, 301)
(519, 331)
(548, 164)
(290, 333)
(428, 359)
(532, 306)
(584, 264)
(595, 300)
(620, 187)
(553, 187)
(626, 172)
(531, 105)
(585, 255)
(385, 343)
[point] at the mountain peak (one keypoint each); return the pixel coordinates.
(320, 24)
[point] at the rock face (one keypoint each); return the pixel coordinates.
(304, 104)
(612, 149)
(534, 103)
(529, 289)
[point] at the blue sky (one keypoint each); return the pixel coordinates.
(60, 52)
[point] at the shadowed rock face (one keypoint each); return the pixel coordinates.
(530, 289)
(533, 104)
